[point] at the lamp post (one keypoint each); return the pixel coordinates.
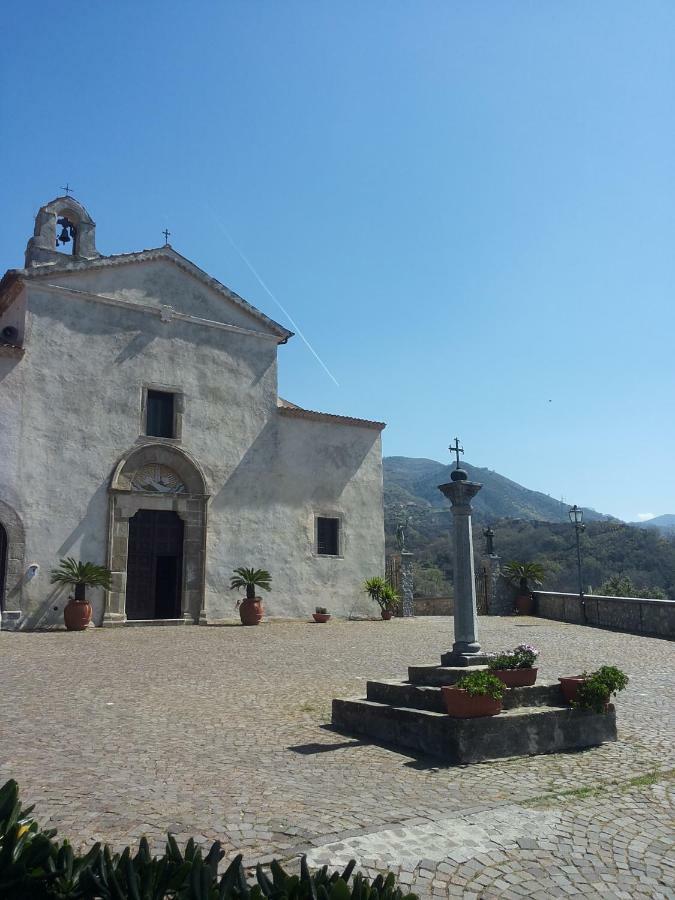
(576, 515)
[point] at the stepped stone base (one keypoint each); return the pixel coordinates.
(411, 715)
(416, 696)
(523, 731)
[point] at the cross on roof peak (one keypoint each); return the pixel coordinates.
(166, 234)
(67, 189)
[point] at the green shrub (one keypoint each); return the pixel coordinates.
(35, 866)
(594, 693)
(483, 684)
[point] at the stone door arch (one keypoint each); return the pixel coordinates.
(157, 476)
(11, 586)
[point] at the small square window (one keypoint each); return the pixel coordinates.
(160, 416)
(327, 536)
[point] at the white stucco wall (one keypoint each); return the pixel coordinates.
(71, 407)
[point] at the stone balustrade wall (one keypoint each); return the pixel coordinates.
(634, 614)
(434, 606)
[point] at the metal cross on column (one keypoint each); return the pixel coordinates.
(456, 449)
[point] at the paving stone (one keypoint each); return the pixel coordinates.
(209, 735)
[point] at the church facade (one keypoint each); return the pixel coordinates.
(141, 428)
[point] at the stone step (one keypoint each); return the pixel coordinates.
(438, 675)
(524, 731)
(416, 696)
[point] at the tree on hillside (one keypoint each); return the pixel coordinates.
(622, 586)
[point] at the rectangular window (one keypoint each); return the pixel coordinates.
(160, 414)
(327, 536)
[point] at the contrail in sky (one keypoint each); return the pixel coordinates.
(262, 284)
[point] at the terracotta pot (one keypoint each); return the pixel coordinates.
(525, 604)
(321, 617)
(77, 614)
(570, 686)
(387, 614)
(515, 677)
(251, 611)
(462, 705)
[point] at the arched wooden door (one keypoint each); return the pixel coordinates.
(155, 565)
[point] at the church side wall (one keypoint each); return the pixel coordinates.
(264, 517)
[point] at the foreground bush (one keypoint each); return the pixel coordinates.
(35, 866)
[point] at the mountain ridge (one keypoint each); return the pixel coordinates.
(666, 522)
(414, 481)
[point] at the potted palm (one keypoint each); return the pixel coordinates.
(515, 667)
(520, 575)
(80, 576)
(250, 607)
(474, 695)
(389, 601)
(386, 596)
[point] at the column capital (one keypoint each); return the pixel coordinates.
(460, 493)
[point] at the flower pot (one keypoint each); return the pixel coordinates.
(463, 705)
(516, 677)
(321, 617)
(525, 604)
(251, 611)
(77, 614)
(569, 685)
(387, 614)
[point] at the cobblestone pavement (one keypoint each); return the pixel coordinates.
(221, 733)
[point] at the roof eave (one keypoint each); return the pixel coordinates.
(296, 412)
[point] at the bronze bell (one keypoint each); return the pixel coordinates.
(67, 230)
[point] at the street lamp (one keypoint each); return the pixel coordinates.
(576, 515)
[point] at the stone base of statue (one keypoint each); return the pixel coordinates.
(407, 584)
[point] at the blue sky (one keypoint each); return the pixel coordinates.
(468, 208)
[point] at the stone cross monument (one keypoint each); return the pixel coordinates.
(460, 491)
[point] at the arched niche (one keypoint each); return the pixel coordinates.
(157, 476)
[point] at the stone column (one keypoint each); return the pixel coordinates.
(407, 582)
(466, 649)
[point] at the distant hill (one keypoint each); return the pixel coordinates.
(415, 481)
(665, 523)
(528, 525)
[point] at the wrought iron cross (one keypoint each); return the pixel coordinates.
(67, 189)
(456, 449)
(166, 234)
